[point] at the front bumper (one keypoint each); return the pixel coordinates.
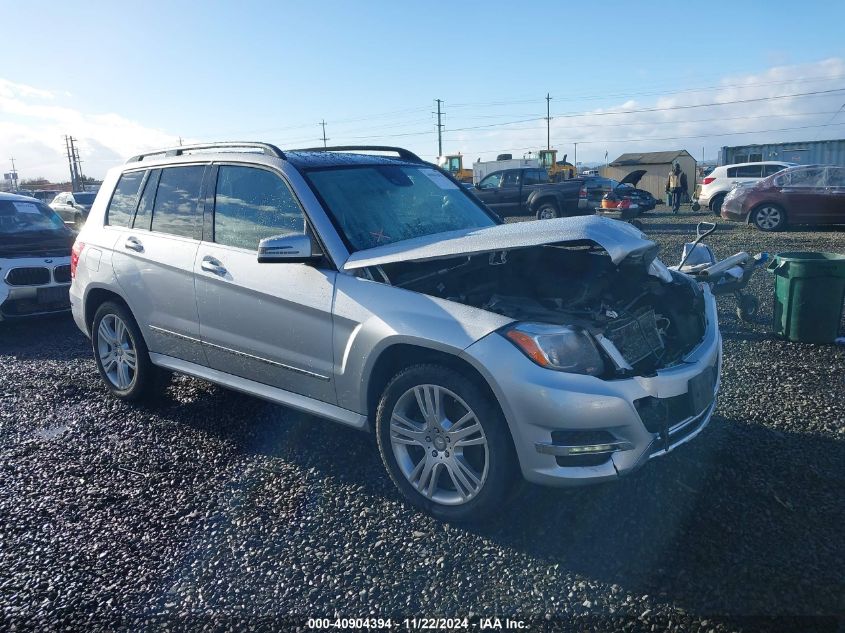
(21, 297)
(549, 413)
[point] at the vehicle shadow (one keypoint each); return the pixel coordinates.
(717, 514)
(720, 512)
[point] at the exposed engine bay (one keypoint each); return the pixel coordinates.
(652, 323)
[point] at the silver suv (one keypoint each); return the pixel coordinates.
(373, 290)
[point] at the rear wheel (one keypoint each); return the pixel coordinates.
(445, 445)
(122, 356)
(769, 217)
(547, 211)
(716, 204)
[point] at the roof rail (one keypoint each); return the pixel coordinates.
(402, 152)
(266, 148)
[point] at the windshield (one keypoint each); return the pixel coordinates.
(380, 204)
(20, 216)
(84, 198)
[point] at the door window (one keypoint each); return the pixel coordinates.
(145, 206)
(251, 204)
(176, 209)
(122, 204)
(771, 170)
(510, 179)
(535, 177)
(491, 182)
(746, 171)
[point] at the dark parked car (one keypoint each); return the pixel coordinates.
(804, 194)
(594, 188)
(528, 192)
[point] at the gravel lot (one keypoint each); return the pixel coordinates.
(216, 510)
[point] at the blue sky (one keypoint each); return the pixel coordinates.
(126, 76)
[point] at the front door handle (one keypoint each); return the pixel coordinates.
(212, 265)
(134, 244)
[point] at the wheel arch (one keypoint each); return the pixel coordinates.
(539, 201)
(399, 356)
(94, 298)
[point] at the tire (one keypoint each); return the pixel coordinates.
(747, 307)
(113, 323)
(548, 211)
(769, 217)
(450, 486)
(716, 204)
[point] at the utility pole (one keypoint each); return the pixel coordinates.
(323, 123)
(78, 162)
(70, 163)
(14, 174)
(439, 130)
(548, 122)
(575, 158)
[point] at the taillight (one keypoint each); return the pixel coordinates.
(708, 180)
(582, 193)
(625, 204)
(74, 257)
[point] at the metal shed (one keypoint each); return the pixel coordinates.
(830, 152)
(656, 165)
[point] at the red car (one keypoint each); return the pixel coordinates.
(804, 194)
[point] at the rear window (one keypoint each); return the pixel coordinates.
(125, 197)
(746, 171)
(84, 198)
(176, 210)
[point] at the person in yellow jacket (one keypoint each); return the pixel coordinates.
(676, 186)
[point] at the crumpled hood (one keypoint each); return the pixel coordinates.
(619, 239)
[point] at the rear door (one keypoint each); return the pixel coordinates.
(834, 205)
(804, 195)
(745, 173)
(510, 192)
(271, 323)
(154, 257)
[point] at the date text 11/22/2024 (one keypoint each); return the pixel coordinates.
(417, 624)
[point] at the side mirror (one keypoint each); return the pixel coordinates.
(287, 249)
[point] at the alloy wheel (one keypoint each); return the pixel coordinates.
(439, 444)
(768, 218)
(117, 352)
(547, 213)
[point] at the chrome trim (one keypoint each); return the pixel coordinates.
(185, 337)
(703, 419)
(239, 353)
(555, 449)
(273, 394)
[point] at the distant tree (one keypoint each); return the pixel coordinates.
(38, 180)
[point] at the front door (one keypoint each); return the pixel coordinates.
(271, 323)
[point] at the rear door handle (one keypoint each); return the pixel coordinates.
(209, 264)
(134, 244)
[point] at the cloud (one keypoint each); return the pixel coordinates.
(684, 120)
(34, 121)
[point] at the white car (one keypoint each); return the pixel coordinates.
(35, 248)
(716, 185)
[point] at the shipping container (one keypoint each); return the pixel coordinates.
(806, 153)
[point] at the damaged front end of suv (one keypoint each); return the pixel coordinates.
(624, 354)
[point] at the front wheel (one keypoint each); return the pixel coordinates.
(445, 445)
(547, 211)
(769, 217)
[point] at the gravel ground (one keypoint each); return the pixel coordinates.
(216, 510)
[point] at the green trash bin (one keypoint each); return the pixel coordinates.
(809, 290)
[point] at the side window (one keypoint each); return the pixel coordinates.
(510, 179)
(771, 170)
(251, 204)
(145, 206)
(123, 201)
(749, 171)
(731, 172)
(535, 177)
(836, 177)
(176, 209)
(491, 182)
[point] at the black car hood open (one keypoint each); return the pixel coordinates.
(634, 177)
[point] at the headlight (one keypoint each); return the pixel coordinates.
(557, 347)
